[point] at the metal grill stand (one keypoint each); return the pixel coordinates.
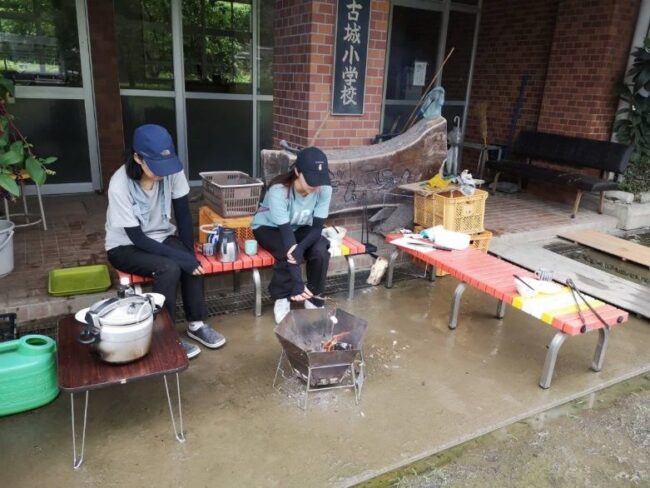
(304, 336)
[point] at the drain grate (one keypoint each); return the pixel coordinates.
(225, 301)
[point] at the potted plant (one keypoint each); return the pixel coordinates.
(18, 162)
(633, 123)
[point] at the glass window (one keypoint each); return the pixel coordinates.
(414, 38)
(217, 46)
(57, 128)
(265, 48)
(144, 42)
(137, 111)
(460, 35)
(39, 43)
(220, 135)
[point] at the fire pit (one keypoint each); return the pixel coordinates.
(322, 348)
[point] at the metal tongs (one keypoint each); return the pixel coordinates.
(577, 294)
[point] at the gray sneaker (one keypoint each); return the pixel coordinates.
(207, 336)
(191, 350)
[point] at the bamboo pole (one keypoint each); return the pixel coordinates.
(411, 119)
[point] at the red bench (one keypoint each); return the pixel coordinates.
(263, 259)
(495, 277)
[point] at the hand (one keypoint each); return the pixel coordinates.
(290, 258)
(305, 295)
(198, 271)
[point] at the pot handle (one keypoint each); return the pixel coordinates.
(11, 234)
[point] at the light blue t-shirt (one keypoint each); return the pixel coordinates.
(282, 205)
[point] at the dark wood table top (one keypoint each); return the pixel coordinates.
(81, 370)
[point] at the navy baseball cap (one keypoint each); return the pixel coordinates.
(312, 163)
(154, 144)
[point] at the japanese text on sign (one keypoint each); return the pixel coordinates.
(352, 26)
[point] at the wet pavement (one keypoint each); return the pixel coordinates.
(428, 388)
(601, 440)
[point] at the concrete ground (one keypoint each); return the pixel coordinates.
(427, 389)
(601, 440)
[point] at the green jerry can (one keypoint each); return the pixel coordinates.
(27, 373)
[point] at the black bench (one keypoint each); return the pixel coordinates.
(575, 152)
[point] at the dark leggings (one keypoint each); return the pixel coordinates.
(317, 258)
(166, 274)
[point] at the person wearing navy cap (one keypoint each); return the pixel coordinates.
(289, 223)
(141, 239)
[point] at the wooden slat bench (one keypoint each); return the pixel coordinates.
(495, 277)
(263, 259)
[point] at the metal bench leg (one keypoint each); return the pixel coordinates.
(257, 281)
(455, 305)
(551, 357)
(601, 348)
(501, 309)
(78, 460)
(351, 276)
(236, 280)
(137, 289)
(576, 204)
(180, 435)
(602, 202)
(391, 268)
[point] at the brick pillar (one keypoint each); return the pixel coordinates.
(103, 49)
(302, 74)
(590, 50)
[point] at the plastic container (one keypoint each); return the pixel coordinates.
(242, 225)
(27, 373)
(6, 247)
(231, 193)
(8, 327)
(78, 280)
(452, 210)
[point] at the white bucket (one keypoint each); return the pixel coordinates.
(6, 247)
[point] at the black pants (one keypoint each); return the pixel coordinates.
(166, 274)
(317, 258)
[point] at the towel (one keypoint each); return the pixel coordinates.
(141, 208)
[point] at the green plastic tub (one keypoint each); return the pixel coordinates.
(27, 373)
(78, 280)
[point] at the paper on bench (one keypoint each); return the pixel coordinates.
(410, 243)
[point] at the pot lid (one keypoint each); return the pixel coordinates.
(125, 311)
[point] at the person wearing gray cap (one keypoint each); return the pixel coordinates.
(289, 223)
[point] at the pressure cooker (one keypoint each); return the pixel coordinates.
(119, 329)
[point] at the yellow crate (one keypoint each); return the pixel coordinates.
(451, 209)
(242, 225)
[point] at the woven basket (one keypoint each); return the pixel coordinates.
(231, 193)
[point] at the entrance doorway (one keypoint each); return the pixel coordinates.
(421, 34)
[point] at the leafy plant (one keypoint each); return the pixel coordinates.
(18, 162)
(633, 121)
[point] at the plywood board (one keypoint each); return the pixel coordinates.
(611, 289)
(626, 250)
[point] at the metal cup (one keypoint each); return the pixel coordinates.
(544, 274)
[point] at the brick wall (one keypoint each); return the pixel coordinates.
(303, 65)
(574, 51)
(590, 51)
(515, 39)
(108, 105)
